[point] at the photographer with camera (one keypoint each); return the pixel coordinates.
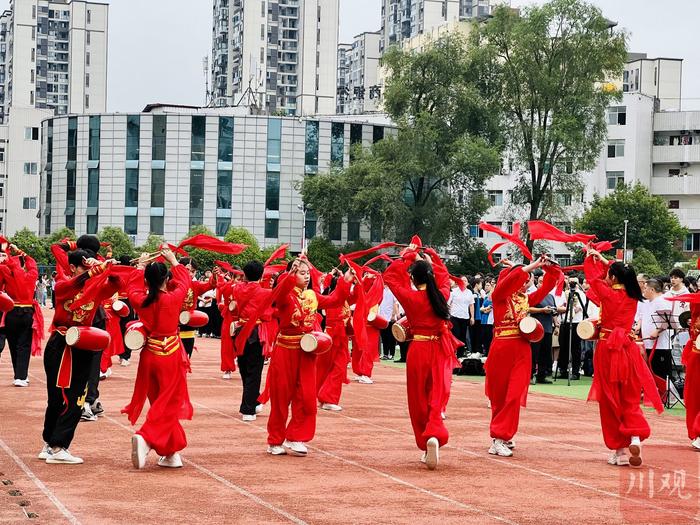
(570, 319)
(544, 312)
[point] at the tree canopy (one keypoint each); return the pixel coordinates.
(547, 70)
(428, 177)
(651, 225)
(120, 241)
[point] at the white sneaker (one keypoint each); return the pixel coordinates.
(635, 449)
(276, 450)
(139, 451)
(62, 456)
(618, 458)
(124, 362)
(432, 454)
(249, 417)
(20, 382)
(422, 458)
(106, 374)
(259, 408)
(510, 444)
(443, 416)
(499, 448)
(226, 375)
(331, 407)
(87, 414)
(295, 448)
(45, 451)
(695, 443)
(172, 461)
(365, 380)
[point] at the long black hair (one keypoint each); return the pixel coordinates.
(422, 273)
(627, 277)
(155, 275)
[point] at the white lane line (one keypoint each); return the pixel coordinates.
(43, 488)
(570, 481)
(229, 484)
(385, 475)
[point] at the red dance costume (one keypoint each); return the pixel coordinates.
(691, 360)
(292, 374)
(223, 299)
(431, 353)
(332, 366)
(621, 373)
(509, 363)
(363, 358)
(116, 338)
(194, 290)
(163, 366)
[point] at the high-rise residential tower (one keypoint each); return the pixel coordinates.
(277, 55)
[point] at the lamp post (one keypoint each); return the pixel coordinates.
(304, 208)
(624, 244)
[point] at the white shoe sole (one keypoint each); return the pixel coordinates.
(635, 455)
(282, 452)
(503, 454)
(432, 453)
(52, 461)
(139, 451)
(293, 452)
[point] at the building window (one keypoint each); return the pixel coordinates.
(617, 115)
(272, 191)
(157, 225)
(92, 224)
(2, 155)
(87, 58)
(377, 133)
(70, 221)
(272, 228)
(32, 133)
(70, 192)
(616, 148)
(131, 225)
(223, 190)
(335, 230)
(33, 53)
(31, 75)
(614, 179)
(157, 189)
(196, 197)
(30, 168)
(33, 12)
(199, 127)
(225, 139)
(89, 16)
(222, 225)
(375, 232)
(159, 136)
(310, 224)
(131, 193)
(72, 138)
(87, 79)
(93, 192)
(274, 141)
(337, 143)
(29, 203)
(692, 242)
(311, 148)
(495, 197)
(355, 138)
(87, 101)
(94, 143)
(87, 37)
(565, 227)
(133, 130)
(674, 205)
(353, 229)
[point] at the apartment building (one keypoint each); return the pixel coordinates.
(359, 91)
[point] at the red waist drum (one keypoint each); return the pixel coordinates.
(87, 338)
(531, 329)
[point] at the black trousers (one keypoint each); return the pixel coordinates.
(542, 357)
(93, 391)
(18, 330)
(61, 420)
(563, 360)
(460, 329)
(486, 337)
(123, 321)
(188, 343)
(661, 364)
(403, 348)
(250, 365)
(214, 320)
(475, 336)
(388, 341)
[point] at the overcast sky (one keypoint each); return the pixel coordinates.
(156, 47)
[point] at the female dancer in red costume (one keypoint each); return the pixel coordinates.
(163, 366)
(292, 375)
(510, 358)
(621, 373)
(422, 285)
(691, 391)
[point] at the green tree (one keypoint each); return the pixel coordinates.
(60, 234)
(152, 244)
(267, 252)
(547, 71)
(428, 177)
(472, 258)
(120, 241)
(323, 253)
(239, 235)
(31, 244)
(651, 225)
(645, 262)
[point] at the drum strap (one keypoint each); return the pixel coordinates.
(65, 368)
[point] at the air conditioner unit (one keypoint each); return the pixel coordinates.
(685, 164)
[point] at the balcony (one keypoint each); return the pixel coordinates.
(676, 120)
(682, 185)
(676, 154)
(689, 217)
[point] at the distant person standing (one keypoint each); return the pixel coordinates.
(461, 303)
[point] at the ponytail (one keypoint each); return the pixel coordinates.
(422, 273)
(155, 275)
(627, 277)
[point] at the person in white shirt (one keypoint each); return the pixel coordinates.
(389, 310)
(461, 304)
(567, 329)
(655, 324)
(678, 288)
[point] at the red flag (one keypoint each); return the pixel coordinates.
(603, 246)
(458, 281)
(541, 230)
(212, 244)
(690, 298)
(575, 268)
(383, 257)
(225, 266)
(509, 237)
(178, 251)
(279, 253)
(361, 253)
